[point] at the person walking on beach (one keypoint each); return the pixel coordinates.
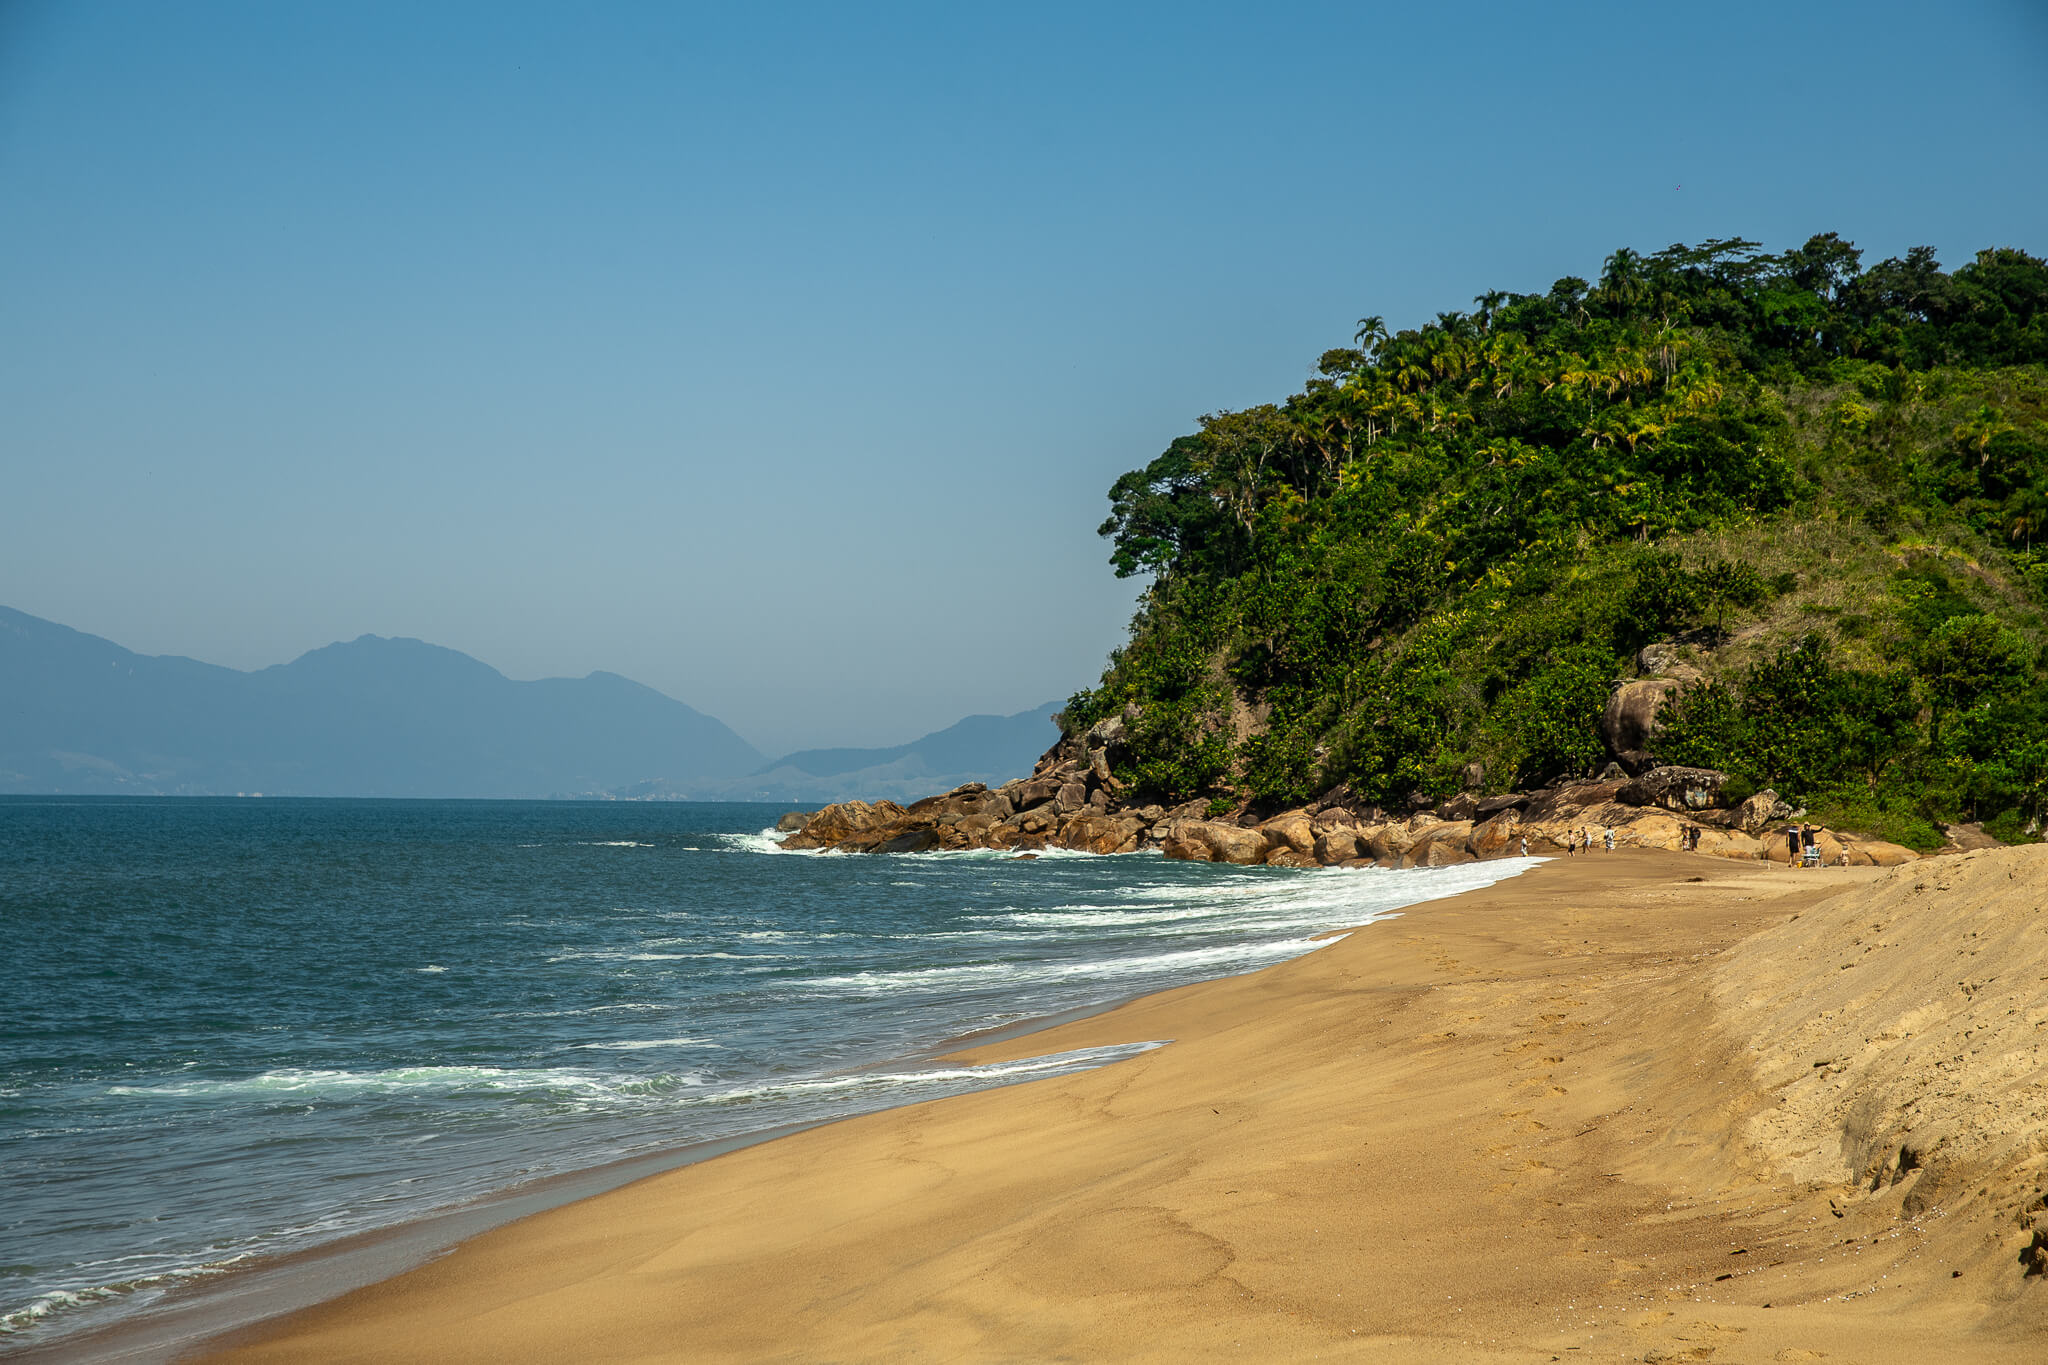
(1610, 839)
(1525, 846)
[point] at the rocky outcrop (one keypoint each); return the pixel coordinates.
(1630, 720)
(1675, 789)
(1073, 800)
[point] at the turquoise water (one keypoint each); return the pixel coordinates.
(232, 1029)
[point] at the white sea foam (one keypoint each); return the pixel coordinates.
(911, 1079)
(430, 967)
(1236, 956)
(642, 1044)
(57, 1301)
(305, 1081)
(767, 841)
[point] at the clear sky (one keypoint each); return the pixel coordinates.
(779, 356)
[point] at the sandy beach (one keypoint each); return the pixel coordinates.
(1631, 1107)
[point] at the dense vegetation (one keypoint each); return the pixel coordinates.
(1825, 487)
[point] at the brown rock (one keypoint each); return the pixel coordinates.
(1569, 804)
(1186, 850)
(1753, 815)
(1226, 843)
(1446, 852)
(1440, 845)
(1651, 830)
(1682, 790)
(1290, 829)
(1463, 806)
(1036, 792)
(1072, 796)
(1499, 837)
(1290, 857)
(909, 841)
(1100, 834)
(1630, 720)
(1334, 817)
(1336, 845)
(791, 822)
(1388, 842)
(1729, 843)
(845, 819)
(1887, 855)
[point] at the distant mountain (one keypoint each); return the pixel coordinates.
(991, 749)
(371, 717)
(1001, 746)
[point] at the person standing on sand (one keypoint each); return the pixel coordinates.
(1525, 846)
(1610, 838)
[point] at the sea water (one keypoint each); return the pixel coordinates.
(232, 1029)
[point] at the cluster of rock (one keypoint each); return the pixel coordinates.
(1072, 800)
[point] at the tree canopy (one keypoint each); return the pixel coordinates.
(1438, 557)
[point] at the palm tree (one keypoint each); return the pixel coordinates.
(1371, 335)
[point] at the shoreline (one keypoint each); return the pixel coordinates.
(1523, 1120)
(203, 1312)
(208, 1310)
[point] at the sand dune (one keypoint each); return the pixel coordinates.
(1645, 1106)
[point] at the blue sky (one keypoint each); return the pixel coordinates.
(780, 356)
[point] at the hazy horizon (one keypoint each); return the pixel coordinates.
(780, 360)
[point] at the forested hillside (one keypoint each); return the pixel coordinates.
(1817, 494)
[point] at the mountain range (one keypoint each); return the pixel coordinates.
(402, 718)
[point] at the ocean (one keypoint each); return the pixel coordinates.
(236, 1029)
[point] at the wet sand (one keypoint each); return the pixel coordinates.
(1549, 1119)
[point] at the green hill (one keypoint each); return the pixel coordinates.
(1823, 490)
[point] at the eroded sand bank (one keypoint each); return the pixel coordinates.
(1624, 1107)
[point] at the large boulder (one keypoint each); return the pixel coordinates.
(1289, 857)
(1072, 796)
(1630, 720)
(1105, 734)
(1754, 816)
(1101, 833)
(1499, 837)
(1651, 830)
(1682, 790)
(1463, 806)
(1440, 845)
(844, 820)
(1337, 844)
(1886, 855)
(909, 841)
(1572, 803)
(1290, 829)
(1226, 843)
(1186, 850)
(1729, 843)
(1035, 792)
(1333, 817)
(1385, 843)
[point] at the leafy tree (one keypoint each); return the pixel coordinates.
(1443, 547)
(1966, 657)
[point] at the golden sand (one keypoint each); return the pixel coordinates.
(1622, 1108)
